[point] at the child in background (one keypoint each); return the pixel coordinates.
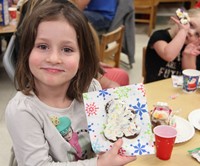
(100, 13)
(171, 50)
(12, 2)
(113, 77)
(51, 74)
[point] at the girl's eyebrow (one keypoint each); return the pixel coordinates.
(43, 39)
(191, 22)
(195, 26)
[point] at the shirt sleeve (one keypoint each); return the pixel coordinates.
(94, 86)
(29, 142)
(159, 35)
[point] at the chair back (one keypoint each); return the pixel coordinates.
(143, 64)
(146, 9)
(110, 46)
(143, 3)
(8, 58)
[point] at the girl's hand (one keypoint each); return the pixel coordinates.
(192, 49)
(112, 158)
(186, 27)
(189, 55)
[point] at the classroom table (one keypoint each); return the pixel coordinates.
(177, 100)
(8, 29)
(6, 33)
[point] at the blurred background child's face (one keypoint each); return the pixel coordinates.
(194, 31)
(54, 59)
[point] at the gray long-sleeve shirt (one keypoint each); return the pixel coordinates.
(36, 140)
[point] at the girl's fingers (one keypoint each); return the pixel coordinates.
(196, 43)
(116, 146)
(195, 53)
(130, 158)
(176, 20)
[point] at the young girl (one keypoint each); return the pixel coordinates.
(171, 50)
(52, 72)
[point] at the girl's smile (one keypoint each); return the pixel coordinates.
(52, 69)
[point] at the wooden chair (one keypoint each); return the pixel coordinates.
(145, 11)
(110, 46)
(143, 64)
(188, 6)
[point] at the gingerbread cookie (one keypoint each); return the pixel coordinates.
(121, 121)
(183, 16)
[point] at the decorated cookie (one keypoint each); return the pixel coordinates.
(162, 115)
(183, 16)
(120, 121)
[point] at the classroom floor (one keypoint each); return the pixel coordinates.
(7, 89)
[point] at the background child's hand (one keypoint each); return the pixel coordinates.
(112, 158)
(186, 27)
(192, 49)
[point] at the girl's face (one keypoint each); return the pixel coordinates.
(54, 59)
(194, 31)
(68, 136)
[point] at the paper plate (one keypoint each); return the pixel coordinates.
(185, 130)
(194, 118)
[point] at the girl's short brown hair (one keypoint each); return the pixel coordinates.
(89, 62)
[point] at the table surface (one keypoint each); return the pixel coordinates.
(177, 100)
(10, 28)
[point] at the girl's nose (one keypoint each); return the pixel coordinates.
(54, 57)
(192, 32)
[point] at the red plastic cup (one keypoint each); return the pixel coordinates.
(164, 140)
(12, 12)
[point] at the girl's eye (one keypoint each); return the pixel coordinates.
(67, 50)
(191, 25)
(197, 34)
(42, 47)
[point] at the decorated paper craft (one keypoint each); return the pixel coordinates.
(119, 113)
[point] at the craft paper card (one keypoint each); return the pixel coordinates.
(119, 113)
